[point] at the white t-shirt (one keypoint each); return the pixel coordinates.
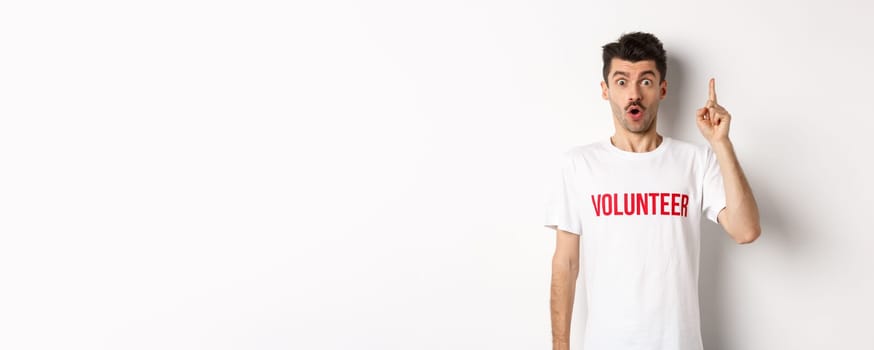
(639, 220)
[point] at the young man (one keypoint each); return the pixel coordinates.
(635, 201)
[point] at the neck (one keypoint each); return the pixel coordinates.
(638, 143)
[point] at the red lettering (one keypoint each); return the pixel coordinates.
(685, 205)
(653, 197)
(629, 207)
(641, 203)
(616, 205)
(664, 197)
(663, 203)
(597, 205)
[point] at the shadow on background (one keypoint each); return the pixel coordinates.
(712, 284)
(670, 120)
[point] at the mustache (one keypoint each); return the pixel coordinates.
(635, 104)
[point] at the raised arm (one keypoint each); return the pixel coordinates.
(740, 218)
(565, 269)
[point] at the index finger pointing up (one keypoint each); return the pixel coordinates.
(713, 90)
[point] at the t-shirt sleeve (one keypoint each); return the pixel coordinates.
(714, 190)
(562, 209)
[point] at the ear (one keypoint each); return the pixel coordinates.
(604, 93)
(663, 89)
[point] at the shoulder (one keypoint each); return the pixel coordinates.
(580, 154)
(697, 151)
(699, 157)
(686, 146)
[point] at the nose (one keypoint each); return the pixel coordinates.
(634, 94)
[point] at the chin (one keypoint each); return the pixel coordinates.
(643, 128)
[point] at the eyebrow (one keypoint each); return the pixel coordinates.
(626, 74)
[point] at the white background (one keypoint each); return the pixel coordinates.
(372, 175)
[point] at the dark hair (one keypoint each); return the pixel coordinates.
(634, 47)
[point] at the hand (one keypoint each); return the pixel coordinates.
(713, 120)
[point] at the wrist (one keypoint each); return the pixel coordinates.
(721, 142)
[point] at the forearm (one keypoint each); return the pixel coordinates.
(741, 210)
(562, 291)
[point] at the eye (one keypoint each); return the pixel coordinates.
(646, 82)
(620, 82)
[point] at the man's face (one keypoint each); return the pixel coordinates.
(634, 92)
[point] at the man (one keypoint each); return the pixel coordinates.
(635, 201)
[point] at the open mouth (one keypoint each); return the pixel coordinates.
(635, 112)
